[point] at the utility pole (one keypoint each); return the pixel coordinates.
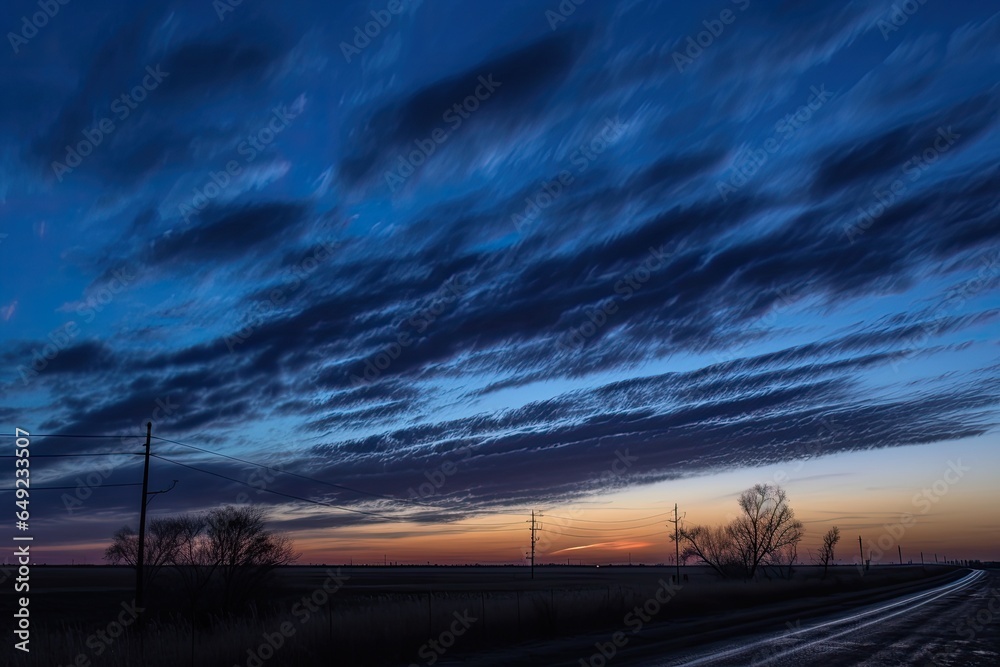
(900, 554)
(534, 540)
(142, 521)
(921, 557)
(677, 543)
(861, 548)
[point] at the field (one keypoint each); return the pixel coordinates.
(389, 615)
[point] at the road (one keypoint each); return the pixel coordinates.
(954, 624)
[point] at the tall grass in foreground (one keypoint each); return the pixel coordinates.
(385, 629)
(392, 628)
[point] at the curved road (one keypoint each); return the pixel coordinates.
(955, 624)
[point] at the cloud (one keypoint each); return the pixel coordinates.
(638, 311)
(229, 233)
(525, 77)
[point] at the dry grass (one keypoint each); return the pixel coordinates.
(372, 623)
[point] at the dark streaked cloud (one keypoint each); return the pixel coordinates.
(377, 333)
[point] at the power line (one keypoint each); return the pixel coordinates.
(278, 493)
(332, 484)
(293, 474)
(591, 537)
(325, 483)
(68, 488)
(604, 530)
(70, 435)
(58, 456)
(397, 519)
(641, 518)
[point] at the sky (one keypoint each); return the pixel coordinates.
(442, 264)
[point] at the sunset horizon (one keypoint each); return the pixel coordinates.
(567, 283)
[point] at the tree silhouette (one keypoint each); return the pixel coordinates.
(243, 550)
(826, 551)
(163, 538)
(230, 544)
(765, 533)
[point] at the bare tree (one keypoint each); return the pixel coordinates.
(162, 542)
(783, 560)
(826, 551)
(712, 545)
(230, 546)
(243, 550)
(193, 559)
(766, 527)
(765, 533)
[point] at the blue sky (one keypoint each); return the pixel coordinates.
(530, 236)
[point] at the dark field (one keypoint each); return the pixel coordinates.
(309, 616)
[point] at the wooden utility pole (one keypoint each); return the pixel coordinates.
(142, 521)
(534, 540)
(677, 543)
(861, 548)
